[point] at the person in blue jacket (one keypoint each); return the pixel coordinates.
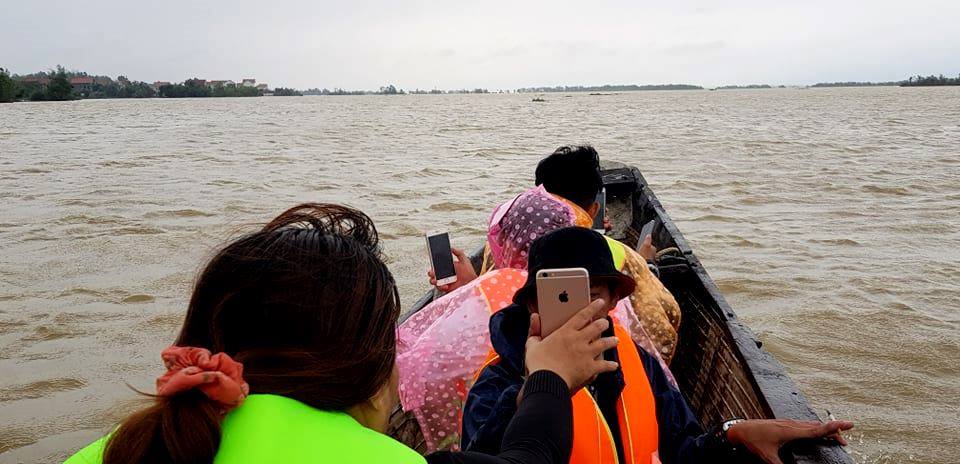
(492, 400)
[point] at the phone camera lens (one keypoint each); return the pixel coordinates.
(546, 274)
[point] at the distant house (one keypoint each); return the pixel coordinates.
(263, 87)
(225, 83)
(249, 83)
(81, 83)
(31, 81)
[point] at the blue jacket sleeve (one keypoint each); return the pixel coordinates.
(491, 403)
(682, 438)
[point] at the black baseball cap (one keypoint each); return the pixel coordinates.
(573, 247)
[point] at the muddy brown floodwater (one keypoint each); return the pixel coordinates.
(830, 218)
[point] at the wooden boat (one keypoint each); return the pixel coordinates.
(720, 364)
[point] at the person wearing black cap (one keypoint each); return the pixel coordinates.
(631, 415)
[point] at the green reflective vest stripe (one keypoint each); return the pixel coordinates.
(619, 254)
(91, 454)
(271, 428)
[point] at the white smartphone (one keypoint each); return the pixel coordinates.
(561, 293)
(601, 213)
(441, 257)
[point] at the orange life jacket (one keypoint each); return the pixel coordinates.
(498, 289)
(593, 441)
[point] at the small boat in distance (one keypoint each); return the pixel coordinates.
(720, 365)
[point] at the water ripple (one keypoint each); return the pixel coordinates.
(830, 219)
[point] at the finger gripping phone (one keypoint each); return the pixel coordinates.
(441, 257)
(561, 293)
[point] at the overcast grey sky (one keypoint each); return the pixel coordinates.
(491, 44)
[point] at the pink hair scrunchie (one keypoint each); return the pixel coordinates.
(217, 376)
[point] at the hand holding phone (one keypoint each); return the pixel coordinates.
(645, 245)
(574, 350)
(441, 258)
(647, 229)
(561, 293)
(463, 268)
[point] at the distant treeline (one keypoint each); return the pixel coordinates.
(609, 88)
(8, 88)
(198, 88)
(385, 90)
(285, 92)
(335, 92)
(913, 81)
(751, 86)
(61, 84)
(55, 85)
(391, 90)
(857, 84)
(442, 92)
(13, 89)
(918, 81)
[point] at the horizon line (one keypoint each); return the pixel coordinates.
(513, 89)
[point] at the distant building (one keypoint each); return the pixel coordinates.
(156, 85)
(81, 83)
(225, 83)
(249, 83)
(263, 87)
(41, 82)
(102, 80)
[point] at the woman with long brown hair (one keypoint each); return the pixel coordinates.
(287, 354)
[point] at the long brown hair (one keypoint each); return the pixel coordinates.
(309, 308)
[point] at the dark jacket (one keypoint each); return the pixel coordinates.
(493, 400)
(540, 433)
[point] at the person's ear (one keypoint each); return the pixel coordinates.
(615, 296)
(375, 412)
(594, 209)
(382, 400)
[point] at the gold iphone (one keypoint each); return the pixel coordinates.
(561, 293)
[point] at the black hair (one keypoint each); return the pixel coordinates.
(572, 172)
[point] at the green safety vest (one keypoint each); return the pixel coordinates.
(619, 254)
(271, 428)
